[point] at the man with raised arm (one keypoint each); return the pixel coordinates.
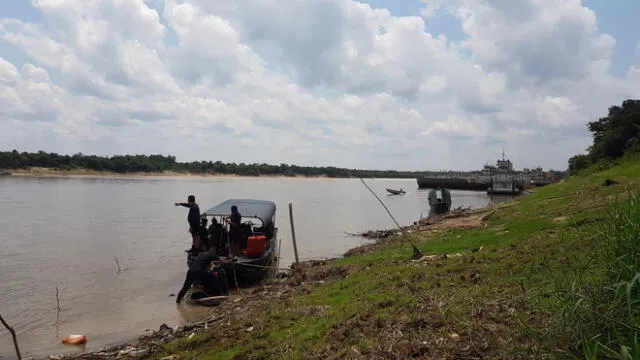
(194, 222)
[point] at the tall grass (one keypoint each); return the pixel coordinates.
(601, 307)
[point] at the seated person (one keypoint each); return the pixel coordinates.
(246, 232)
(223, 250)
(198, 272)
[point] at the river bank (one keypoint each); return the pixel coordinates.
(300, 280)
(84, 173)
(492, 283)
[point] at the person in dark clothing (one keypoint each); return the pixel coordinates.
(198, 272)
(235, 231)
(215, 236)
(204, 234)
(193, 218)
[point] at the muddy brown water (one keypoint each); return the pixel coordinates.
(65, 233)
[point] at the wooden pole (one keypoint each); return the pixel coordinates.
(278, 259)
(58, 298)
(13, 335)
(293, 232)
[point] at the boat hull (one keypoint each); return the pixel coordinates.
(452, 183)
(540, 183)
(440, 208)
(440, 200)
(246, 270)
(504, 191)
(395, 192)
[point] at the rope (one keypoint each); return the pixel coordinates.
(263, 267)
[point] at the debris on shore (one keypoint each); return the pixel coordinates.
(303, 277)
(458, 218)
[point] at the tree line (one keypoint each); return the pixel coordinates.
(160, 163)
(614, 136)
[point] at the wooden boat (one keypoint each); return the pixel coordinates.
(258, 221)
(396, 192)
(440, 200)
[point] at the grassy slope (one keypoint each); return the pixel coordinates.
(498, 302)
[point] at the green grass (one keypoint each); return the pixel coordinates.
(556, 278)
(601, 312)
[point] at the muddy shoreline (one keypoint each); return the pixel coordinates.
(301, 279)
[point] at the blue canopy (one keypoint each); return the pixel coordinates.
(248, 208)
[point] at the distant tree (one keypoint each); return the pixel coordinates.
(578, 163)
(159, 163)
(615, 135)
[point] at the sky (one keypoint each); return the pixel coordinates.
(402, 84)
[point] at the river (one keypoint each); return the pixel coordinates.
(67, 232)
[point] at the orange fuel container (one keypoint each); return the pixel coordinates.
(75, 340)
(256, 245)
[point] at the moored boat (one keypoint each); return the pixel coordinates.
(504, 185)
(396, 192)
(440, 200)
(258, 255)
(453, 183)
(5, 173)
(505, 180)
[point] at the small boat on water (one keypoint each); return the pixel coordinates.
(259, 251)
(4, 173)
(396, 192)
(440, 200)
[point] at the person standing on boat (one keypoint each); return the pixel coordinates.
(193, 218)
(204, 234)
(235, 231)
(215, 237)
(198, 272)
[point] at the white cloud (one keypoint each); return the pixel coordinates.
(532, 41)
(324, 82)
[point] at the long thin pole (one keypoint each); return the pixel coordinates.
(293, 232)
(383, 205)
(13, 335)
(279, 248)
(416, 252)
(58, 298)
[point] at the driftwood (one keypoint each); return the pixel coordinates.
(205, 321)
(120, 270)
(210, 298)
(488, 216)
(13, 335)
